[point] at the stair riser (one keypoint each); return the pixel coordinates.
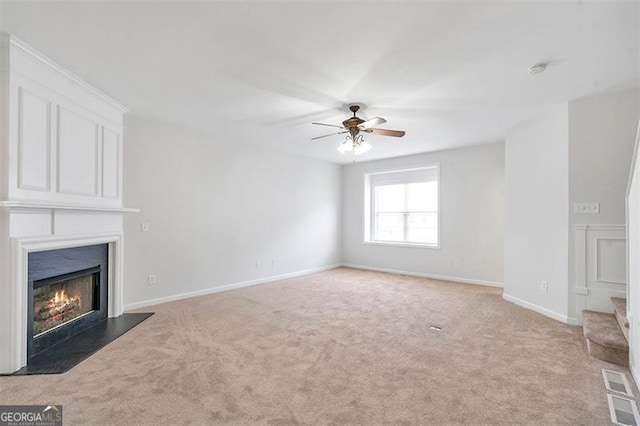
(614, 356)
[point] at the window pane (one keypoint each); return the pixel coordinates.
(422, 228)
(390, 198)
(403, 208)
(422, 197)
(389, 227)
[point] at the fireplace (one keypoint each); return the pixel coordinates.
(61, 188)
(67, 294)
(59, 300)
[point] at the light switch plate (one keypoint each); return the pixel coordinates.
(586, 208)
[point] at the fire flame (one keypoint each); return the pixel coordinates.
(60, 299)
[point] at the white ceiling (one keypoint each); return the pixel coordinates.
(450, 74)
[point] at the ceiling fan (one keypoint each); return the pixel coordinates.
(354, 126)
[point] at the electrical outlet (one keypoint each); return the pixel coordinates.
(456, 263)
(544, 286)
(274, 262)
(144, 227)
(257, 264)
(151, 280)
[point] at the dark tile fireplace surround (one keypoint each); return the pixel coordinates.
(67, 294)
(67, 318)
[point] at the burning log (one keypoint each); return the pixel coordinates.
(58, 307)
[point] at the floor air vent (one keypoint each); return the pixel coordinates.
(623, 411)
(616, 382)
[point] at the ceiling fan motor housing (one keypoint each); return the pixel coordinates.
(352, 123)
(355, 125)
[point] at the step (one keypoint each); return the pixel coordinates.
(620, 306)
(605, 339)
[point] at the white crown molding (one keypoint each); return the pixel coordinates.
(16, 42)
(26, 204)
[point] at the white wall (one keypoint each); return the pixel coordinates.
(602, 131)
(536, 216)
(471, 215)
(216, 208)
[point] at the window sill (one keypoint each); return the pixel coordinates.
(411, 245)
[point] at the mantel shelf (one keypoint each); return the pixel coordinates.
(24, 204)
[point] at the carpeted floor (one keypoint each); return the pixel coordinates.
(337, 347)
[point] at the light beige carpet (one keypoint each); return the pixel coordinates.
(337, 347)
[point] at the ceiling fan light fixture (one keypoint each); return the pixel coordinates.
(354, 126)
(358, 145)
(345, 146)
(361, 148)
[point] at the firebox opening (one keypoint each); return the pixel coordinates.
(65, 298)
(68, 294)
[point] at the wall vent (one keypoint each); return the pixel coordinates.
(623, 411)
(616, 382)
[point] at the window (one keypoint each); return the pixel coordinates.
(402, 207)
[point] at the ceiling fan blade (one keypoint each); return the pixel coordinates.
(329, 125)
(385, 132)
(330, 134)
(372, 122)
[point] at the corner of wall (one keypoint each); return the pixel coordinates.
(539, 309)
(536, 217)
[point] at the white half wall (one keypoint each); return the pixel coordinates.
(536, 216)
(633, 254)
(220, 214)
(471, 217)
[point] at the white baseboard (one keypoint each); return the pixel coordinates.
(226, 287)
(423, 275)
(539, 309)
(634, 374)
(573, 321)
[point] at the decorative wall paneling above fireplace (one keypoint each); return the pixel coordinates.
(61, 182)
(65, 137)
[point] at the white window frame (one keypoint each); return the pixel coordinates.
(404, 175)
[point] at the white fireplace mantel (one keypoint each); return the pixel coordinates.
(61, 180)
(22, 247)
(28, 204)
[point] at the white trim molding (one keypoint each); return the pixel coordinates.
(634, 374)
(632, 219)
(598, 273)
(34, 214)
(16, 42)
(539, 309)
(424, 275)
(53, 205)
(226, 287)
(593, 286)
(600, 227)
(232, 286)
